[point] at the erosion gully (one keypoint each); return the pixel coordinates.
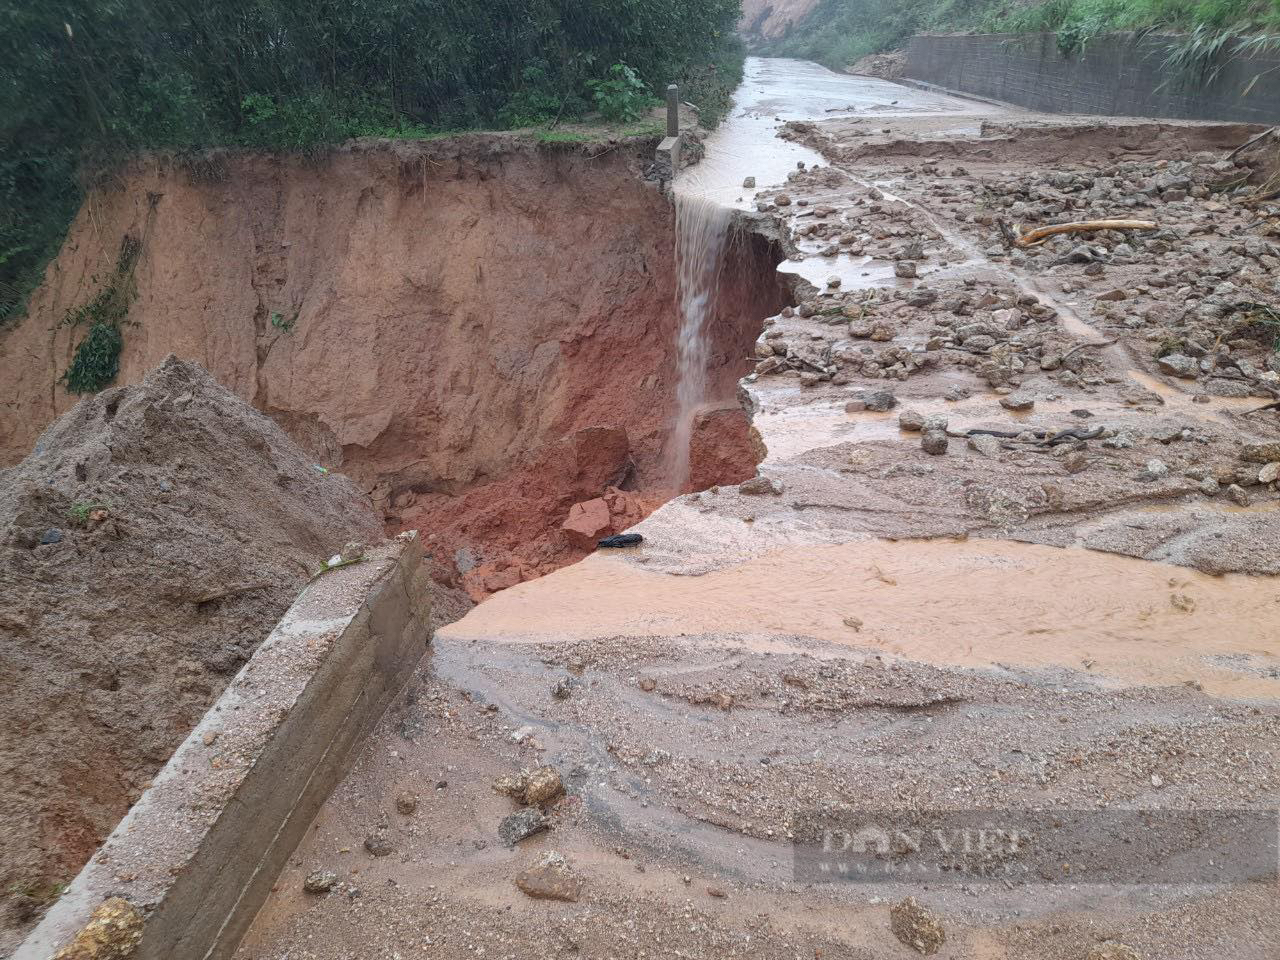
(864, 626)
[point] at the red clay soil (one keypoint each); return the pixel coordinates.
(149, 544)
(477, 331)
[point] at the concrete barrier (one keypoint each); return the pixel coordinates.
(188, 868)
(1120, 74)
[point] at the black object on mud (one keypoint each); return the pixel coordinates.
(621, 540)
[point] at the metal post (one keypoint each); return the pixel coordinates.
(673, 111)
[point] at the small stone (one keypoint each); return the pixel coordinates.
(916, 926)
(550, 879)
(52, 535)
(985, 444)
(648, 684)
(1209, 486)
(1076, 462)
(112, 933)
(1113, 950)
(782, 200)
(378, 843)
(1269, 473)
(833, 283)
(406, 804)
(912, 420)
(351, 552)
(936, 421)
(1238, 495)
(749, 183)
(521, 825)
(1018, 401)
(760, 485)
(1113, 296)
(1179, 365)
(1154, 470)
(564, 687)
(905, 269)
(876, 401)
(542, 787)
(1260, 452)
(320, 881)
(511, 785)
(934, 442)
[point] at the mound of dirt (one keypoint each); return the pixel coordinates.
(887, 66)
(149, 544)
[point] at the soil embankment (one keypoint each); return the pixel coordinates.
(477, 331)
(149, 544)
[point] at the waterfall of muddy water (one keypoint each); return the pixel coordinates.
(702, 230)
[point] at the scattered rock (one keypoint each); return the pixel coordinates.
(875, 401)
(406, 804)
(905, 269)
(320, 881)
(749, 183)
(912, 420)
(352, 551)
(1238, 495)
(550, 879)
(934, 442)
(1075, 462)
(1269, 473)
(782, 200)
(985, 444)
(378, 843)
(564, 687)
(521, 825)
(1179, 365)
(542, 787)
(759, 485)
(52, 535)
(1260, 452)
(587, 523)
(1113, 296)
(1018, 401)
(1154, 470)
(112, 933)
(916, 926)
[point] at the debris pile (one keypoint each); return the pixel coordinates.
(150, 542)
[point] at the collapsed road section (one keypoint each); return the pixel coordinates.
(1004, 540)
(1001, 556)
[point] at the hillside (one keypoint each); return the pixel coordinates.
(839, 32)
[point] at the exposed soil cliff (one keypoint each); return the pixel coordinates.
(477, 330)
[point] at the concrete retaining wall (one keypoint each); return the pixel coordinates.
(198, 853)
(1116, 75)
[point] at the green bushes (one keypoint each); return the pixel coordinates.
(85, 82)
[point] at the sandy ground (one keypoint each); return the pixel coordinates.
(1040, 620)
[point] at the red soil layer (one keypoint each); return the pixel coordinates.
(481, 335)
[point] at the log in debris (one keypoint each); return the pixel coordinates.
(1038, 236)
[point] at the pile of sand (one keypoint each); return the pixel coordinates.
(148, 545)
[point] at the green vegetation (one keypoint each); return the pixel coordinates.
(84, 84)
(97, 358)
(79, 513)
(621, 96)
(839, 32)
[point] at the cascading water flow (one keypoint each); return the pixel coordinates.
(702, 231)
